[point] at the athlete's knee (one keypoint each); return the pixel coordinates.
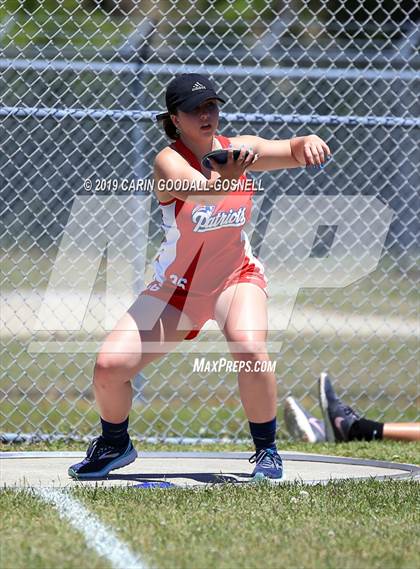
(114, 366)
(246, 348)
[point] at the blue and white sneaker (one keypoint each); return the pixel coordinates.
(338, 416)
(269, 465)
(101, 458)
(302, 426)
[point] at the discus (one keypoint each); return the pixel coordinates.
(220, 156)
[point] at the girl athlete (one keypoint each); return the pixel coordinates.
(204, 270)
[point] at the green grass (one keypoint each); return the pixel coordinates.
(34, 537)
(62, 24)
(344, 524)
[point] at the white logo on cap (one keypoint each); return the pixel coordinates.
(197, 86)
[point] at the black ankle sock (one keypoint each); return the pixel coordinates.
(264, 434)
(365, 430)
(115, 433)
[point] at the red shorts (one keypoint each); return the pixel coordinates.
(200, 307)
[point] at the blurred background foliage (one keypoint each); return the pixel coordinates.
(104, 23)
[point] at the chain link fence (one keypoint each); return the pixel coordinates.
(80, 84)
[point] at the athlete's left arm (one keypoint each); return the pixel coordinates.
(277, 154)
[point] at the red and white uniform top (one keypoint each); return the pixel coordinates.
(204, 245)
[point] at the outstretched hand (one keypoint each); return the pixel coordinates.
(315, 150)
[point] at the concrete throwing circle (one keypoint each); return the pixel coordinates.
(193, 469)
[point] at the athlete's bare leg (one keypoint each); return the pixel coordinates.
(241, 312)
(402, 431)
(124, 354)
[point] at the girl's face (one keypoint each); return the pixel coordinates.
(202, 122)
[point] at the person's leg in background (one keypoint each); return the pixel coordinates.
(346, 425)
(342, 424)
(402, 431)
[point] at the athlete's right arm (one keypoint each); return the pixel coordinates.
(173, 175)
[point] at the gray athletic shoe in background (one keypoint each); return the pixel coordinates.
(302, 426)
(338, 417)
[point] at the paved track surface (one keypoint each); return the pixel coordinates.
(188, 469)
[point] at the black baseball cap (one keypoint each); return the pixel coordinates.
(186, 92)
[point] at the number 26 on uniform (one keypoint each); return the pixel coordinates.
(178, 281)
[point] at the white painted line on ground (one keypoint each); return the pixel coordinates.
(97, 535)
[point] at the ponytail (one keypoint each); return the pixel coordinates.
(170, 129)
